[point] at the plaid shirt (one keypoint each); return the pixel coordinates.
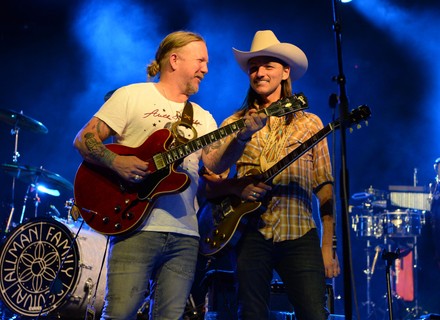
(289, 214)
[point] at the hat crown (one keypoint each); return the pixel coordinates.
(263, 39)
(265, 43)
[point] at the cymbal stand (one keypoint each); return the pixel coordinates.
(369, 272)
(15, 157)
(31, 188)
(23, 209)
(37, 202)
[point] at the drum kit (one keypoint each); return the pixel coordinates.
(387, 229)
(37, 179)
(48, 267)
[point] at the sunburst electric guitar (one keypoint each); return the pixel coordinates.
(220, 219)
(113, 206)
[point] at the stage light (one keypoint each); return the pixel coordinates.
(345, 1)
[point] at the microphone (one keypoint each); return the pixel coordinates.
(54, 209)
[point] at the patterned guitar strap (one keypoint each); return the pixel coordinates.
(275, 142)
(185, 122)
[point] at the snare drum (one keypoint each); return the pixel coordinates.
(45, 272)
(403, 223)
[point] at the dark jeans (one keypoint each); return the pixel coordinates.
(299, 264)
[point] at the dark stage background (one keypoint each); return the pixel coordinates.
(59, 58)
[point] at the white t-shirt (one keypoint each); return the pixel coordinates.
(134, 112)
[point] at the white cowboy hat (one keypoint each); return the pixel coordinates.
(265, 43)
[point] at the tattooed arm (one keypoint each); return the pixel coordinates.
(89, 143)
(220, 156)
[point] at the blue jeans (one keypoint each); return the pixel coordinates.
(299, 264)
(167, 259)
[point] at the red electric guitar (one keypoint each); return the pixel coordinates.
(113, 206)
(219, 219)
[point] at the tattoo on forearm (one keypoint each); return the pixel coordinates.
(97, 150)
(215, 145)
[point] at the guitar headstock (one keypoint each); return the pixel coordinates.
(361, 113)
(280, 108)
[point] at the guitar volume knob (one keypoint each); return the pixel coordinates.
(105, 220)
(117, 209)
(117, 226)
(129, 215)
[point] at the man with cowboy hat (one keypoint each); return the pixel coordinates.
(283, 236)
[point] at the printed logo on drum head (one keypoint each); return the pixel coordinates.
(39, 263)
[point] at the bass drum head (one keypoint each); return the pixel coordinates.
(39, 266)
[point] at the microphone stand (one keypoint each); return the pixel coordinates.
(343, 109)
(389, 257)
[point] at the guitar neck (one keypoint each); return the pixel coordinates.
(269, 174)
(357, 115)
(179, 152)
(280, 108)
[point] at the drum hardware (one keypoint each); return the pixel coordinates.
(399, 220)
(72, 210)
(369, 271)
(37, 175)
(403, 223)
(18, 120)
(365, 223)
(38, 179)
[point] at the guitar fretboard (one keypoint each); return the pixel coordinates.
(279, 108)
(179, 152)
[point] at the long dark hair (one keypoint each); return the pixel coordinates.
(252, 99)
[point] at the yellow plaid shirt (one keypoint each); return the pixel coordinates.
(289, 213)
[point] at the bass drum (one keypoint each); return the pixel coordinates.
(45, 272)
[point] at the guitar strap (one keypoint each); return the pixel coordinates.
(275, 143)
(186, 121)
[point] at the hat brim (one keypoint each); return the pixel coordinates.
(289, 53)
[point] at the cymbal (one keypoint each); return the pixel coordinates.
(36, 175)
(19, 120)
